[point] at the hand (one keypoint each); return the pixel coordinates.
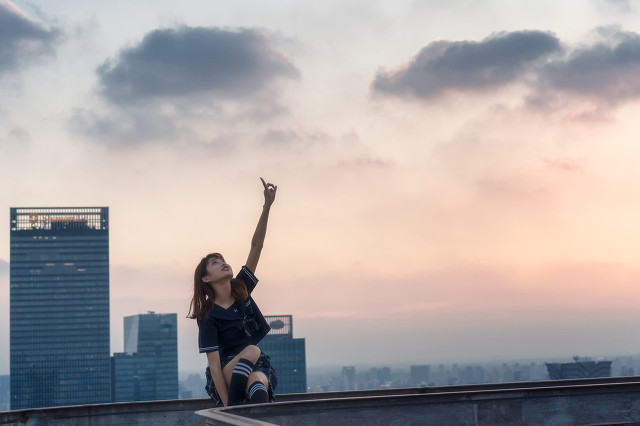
(269, 193)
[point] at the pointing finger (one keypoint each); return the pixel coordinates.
(263, 183)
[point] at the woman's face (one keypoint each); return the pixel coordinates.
(217, 270)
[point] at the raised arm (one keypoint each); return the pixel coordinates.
(261, 229)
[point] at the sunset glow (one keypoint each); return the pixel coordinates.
(456, 180)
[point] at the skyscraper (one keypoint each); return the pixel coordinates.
(147, 370)
(59, 306)
(288, 356)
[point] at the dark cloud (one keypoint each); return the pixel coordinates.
(607, 71)
(587, 81)
(467, 65)
(187, 61)
(178, 80)
(22, 40)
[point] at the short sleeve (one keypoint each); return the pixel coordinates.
(249, 279)
(208, 336)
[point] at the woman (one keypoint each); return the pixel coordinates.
(231, 325)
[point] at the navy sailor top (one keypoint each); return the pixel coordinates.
(233, 329)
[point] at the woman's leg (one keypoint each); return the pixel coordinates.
(237, 373)
(258, 388)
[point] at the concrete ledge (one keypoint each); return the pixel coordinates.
(172, 412)
(532, 403)
(615, 399)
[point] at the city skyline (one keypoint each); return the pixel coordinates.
(455, 179)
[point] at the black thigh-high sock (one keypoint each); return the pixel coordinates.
(258, 393)
(238, 383)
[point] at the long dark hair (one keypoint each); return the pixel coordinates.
(203, 294)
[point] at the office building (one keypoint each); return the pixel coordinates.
(288, 356)
(578, 369)
(147, 370)
(59, 306)
(4, 393)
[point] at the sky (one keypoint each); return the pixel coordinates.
(456, 179)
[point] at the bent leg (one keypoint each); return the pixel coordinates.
(251, 353)
(238, 371)
(257, 388)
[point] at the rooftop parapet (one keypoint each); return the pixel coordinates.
(565, 402)
(611, 400)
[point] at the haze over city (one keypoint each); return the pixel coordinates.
(456, 179)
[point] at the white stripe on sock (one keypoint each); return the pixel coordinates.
(256, 387)
(243, 369)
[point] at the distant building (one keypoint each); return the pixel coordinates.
(4, 393)
(348, 378)
(59, 306)
(288, 355)
(193, 387)
(578, 369)
(381, 375)
(419, 375)
(133, 377)
(148, 368)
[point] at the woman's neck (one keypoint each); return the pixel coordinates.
(222, 291)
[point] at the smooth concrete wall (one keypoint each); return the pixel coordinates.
(603, 403)
(551, 401)
(174, 412)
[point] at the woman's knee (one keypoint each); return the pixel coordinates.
(258, 376)
(251, 352)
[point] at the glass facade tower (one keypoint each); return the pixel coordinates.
(288, 355)
(59, 306)
(148, 368)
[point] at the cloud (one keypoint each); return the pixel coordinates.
(563, 164)
(15, 141)
(175, 83)
(511, 187)
(607, 71)
(587, 81)
(192, 61)
(357, 164)
(442, 66)
(22, 40)
(126, 127)
(288, 137)
(616, 5)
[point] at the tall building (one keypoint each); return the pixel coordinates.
(147, 370)
(288, 355)
(59, 306)
(4, 393)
